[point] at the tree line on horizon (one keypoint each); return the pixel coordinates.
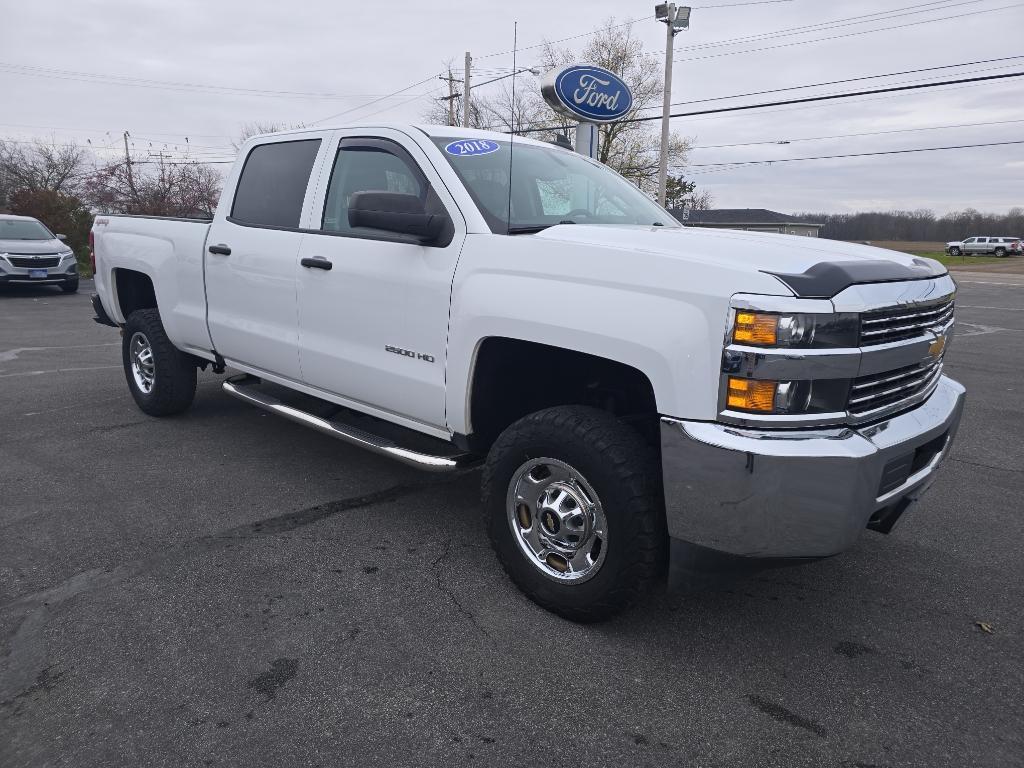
(921, 225)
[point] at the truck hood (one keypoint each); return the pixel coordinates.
(33, 247)
(809, 266)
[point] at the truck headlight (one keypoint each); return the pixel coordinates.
(789, 398)
(795, 329)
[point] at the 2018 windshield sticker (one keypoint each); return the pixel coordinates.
(470, 147)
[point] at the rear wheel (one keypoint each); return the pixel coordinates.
(573, 508)
(161, 378)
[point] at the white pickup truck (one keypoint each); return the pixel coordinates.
(636, 391)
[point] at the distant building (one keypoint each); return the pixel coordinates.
(753, 219)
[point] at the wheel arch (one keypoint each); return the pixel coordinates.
(132, 290)
(512, 377)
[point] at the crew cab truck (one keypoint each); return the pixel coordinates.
(635, 391)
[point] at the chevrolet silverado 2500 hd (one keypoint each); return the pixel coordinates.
(634, 389)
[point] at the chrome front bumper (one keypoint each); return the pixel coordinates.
(801, 493)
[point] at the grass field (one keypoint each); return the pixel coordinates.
(959, 261)
(934, 250)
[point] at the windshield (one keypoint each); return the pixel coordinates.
(549, 186)
(23, 229)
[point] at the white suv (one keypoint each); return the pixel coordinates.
(1000, 246)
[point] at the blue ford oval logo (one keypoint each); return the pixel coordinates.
(468, 147)
(588, 93)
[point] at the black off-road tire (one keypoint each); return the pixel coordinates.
(174, 380)
(69, 286)
(624, 472)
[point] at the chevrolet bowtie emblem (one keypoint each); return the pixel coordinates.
(936, 347)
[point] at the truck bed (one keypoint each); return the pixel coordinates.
(169, 250)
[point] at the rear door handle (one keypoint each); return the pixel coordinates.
(317, 262)
(220, 250)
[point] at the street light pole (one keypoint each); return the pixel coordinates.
(675, 19)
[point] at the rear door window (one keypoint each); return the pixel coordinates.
(272, 186)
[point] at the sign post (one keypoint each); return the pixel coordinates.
(587, 139)
(592, 95)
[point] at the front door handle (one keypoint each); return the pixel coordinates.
(220, 250)
(317, 262)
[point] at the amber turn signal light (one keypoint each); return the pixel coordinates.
(751, 394)
(755, 328)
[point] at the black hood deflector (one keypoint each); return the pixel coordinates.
(825, 280)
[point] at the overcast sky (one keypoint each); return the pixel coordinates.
(357, 52)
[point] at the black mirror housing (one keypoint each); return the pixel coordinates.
(396, 212)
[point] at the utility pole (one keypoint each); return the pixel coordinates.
(675, 20)
(128, 167)
(465, 91)
(451, 97)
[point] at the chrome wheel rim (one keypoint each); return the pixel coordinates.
(143, 366)
(557, 520)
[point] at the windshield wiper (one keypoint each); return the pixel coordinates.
(527, 230)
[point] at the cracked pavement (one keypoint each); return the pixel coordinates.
(228, 588)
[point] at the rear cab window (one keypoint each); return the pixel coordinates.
(272, 186)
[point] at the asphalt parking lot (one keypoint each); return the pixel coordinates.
(228, 588)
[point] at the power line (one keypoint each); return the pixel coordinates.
(627, 23)
(856, 154)
(564, 39)
(92, 77)
(825, 26)
(839, 82)
(804, 100)
(433, 92)
(734, 5)
(848, 34)
(374, 101)
(858, 135)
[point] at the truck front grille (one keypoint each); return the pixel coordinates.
(900, 323)
(894, 389)
(31, 262)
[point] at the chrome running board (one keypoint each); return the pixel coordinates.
(244, 388)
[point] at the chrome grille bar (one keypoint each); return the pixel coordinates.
(947, 310)
(907, 322)
(898, 388)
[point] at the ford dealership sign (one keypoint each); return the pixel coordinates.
(588, 93)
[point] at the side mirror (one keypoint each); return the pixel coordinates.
(62, 238)
(396, 212)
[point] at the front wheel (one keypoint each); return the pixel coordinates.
(954, 251)
(1000, 252)
(69, 286)
(573, 508)
(161, 378)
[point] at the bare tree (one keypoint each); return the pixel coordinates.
(257, 127)
(160, 189)
(40, 166)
